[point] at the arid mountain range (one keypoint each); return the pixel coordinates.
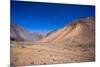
(75, 42)
(19, 33)
(81, 29)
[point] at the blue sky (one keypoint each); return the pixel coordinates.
(46, 17)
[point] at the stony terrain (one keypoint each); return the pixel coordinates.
(70, 44)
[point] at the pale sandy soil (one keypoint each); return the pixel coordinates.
(38, 54)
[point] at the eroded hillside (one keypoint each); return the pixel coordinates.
(70, 44)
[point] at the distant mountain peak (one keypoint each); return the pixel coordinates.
(18, 33)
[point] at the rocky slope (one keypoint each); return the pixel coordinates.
(81, 31)
(18, 33)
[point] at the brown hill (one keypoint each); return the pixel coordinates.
(20, 34)
(81, 30)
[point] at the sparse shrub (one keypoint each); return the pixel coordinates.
(30, 44)
(54, 59)
(23, 47)
(82, 45)
(64, 48)
(39, 51)
(44, 63)
(50, 55)
(73, 41)
(32, 62)
(16, 60)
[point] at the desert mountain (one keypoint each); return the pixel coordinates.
(81, 31)
(18, 33)
(38, 35)
(72, 43)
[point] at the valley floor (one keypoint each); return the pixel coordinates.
(41, 54)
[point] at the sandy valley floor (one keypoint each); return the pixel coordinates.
(38, 54)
